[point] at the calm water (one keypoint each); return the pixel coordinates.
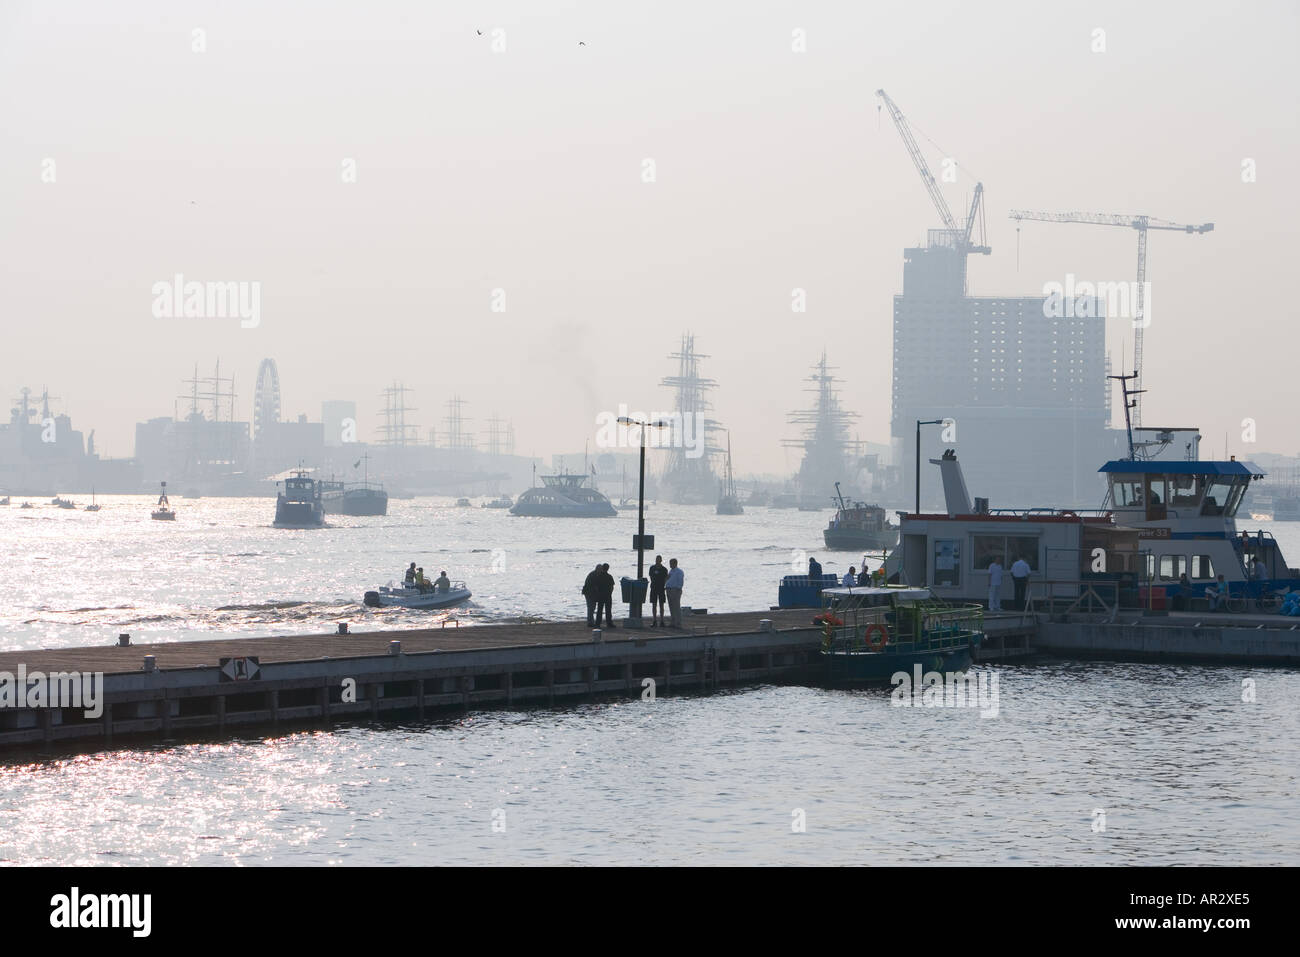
(1184, 771)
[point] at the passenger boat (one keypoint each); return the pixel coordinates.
(299, 505)
(859, 527)
(164, 512)
(63, 502)
(462, 503)
(409, 596)
(1166, 530)
(871, 634)
(501, 501)
(728, 501)
(563, 496)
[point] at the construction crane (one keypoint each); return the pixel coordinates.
(1141, 224)
(961, 237)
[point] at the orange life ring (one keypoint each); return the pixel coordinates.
(877, 629)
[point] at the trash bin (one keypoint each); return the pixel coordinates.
(634, 589)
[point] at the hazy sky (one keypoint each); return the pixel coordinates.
(523, 170)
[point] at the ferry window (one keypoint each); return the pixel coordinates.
(988, 547)
(1202, 567)
(1172, 567)
(1185, 490)
(947, 561)
(1024, 546)
(1216, 496)
(1238, 490)
(1156, 490)
(1127, 490)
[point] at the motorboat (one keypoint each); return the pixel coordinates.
(63, 502)
(411, 596)
(462, 503)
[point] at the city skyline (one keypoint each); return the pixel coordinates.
(810, 197)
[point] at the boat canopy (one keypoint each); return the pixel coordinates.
(1182, 468)
(871, 591)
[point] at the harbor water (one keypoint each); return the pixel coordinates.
(1083, 763)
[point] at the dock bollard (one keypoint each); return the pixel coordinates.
(343, 628)
(394, 647)
(596, 635)
(150, 663)
(123, 640)
(765, 624)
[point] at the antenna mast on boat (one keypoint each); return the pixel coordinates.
(1129, 405)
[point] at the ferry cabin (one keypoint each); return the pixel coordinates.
(1161, 521)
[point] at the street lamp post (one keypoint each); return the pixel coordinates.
(919, 423)
(634, 608)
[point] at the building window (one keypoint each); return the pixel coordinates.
(1006, 549)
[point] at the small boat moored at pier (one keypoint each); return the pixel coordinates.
(871, 634)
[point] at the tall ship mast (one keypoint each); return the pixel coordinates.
(688, 477)
(829, 454)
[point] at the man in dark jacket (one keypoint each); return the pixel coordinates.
(606, 597)
(591, 591)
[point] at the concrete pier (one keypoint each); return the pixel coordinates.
(200, 686)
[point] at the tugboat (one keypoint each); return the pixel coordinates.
(728, 501)
(164, 512)
(872, 634)
(563, 496)
(299, 505)
(860, 527)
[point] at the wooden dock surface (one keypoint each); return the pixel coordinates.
(112, 659)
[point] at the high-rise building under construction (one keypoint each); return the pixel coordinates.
(1025, 392)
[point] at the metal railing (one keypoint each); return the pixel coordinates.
(934, 624)
(1079, 595)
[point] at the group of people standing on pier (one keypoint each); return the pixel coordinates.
(666, 584)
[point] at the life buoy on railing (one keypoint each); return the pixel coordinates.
(881, 639)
